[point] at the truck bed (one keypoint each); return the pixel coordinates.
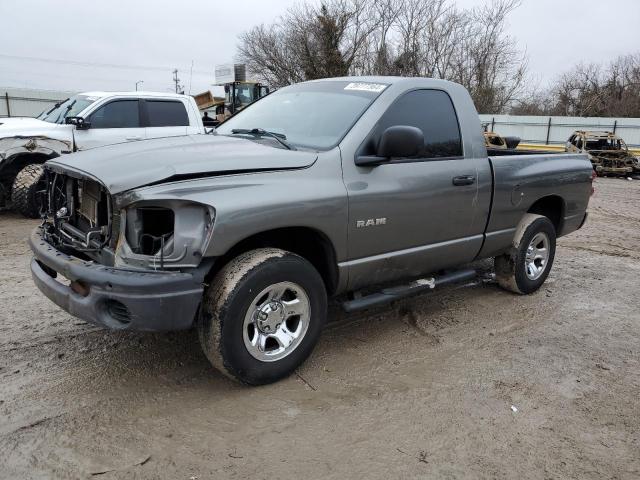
(519, 180)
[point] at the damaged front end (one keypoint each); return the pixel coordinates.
(79, 217)
(135, 266)
(84, 219)
(18, 151)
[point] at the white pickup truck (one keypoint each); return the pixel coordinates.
(84, 121)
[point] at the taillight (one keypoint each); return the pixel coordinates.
(594, 175)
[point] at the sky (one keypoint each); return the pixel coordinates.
(80, 45)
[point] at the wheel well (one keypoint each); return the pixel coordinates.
(12, 165)
(307, 242)
(551, 207)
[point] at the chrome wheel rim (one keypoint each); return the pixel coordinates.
(276, 321)
(537, 256)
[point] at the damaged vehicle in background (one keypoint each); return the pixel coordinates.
(84, 121)
(495, 141)
(367, 188)
(608, 152)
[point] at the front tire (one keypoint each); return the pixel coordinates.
(24, 192)
(262, 315)
(527, 265)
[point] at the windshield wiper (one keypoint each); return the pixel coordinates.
(69, 108)
(261, 132)
(51, 109)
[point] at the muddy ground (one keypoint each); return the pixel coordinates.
(425, 388)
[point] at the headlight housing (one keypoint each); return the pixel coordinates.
(172, 234)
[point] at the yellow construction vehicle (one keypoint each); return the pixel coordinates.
(238, 91)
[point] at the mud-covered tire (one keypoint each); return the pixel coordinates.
(23, 192)
(516, 270)
(232, 300)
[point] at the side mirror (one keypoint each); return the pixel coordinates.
(400, 141)
(79, 122)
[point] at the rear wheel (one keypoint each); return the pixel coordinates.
(24, 197)
(262, 315)
(526, 266)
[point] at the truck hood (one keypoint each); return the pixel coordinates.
(132, 165)
(28, 127)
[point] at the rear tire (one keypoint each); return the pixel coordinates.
(527, 265)
(24, 196)
(262, 315)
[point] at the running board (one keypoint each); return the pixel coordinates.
(395, 293)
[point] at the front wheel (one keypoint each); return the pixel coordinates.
(526, 266)
(24, 192)
(262, 315)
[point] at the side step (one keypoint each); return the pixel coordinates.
(395, 293)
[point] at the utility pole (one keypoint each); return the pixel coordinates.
(176, 80)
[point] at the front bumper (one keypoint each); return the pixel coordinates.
(115, 298)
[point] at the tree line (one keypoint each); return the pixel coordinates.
(431, 38)
(589, 90)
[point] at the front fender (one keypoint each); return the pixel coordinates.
(248, 204)
(11, 147)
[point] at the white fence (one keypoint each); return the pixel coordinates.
(556, 130)
(23, 102)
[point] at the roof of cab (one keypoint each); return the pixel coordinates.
(596, 133)
(133, 94)
(387, 80)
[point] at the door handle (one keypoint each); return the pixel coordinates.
(464, 180)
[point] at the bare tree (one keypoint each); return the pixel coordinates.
(486, 61)
(308, 42)
(591, 90)
(429, 38)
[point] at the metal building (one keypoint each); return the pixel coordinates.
(26, 102)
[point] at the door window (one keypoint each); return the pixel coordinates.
(166, 113)
(432, 112)
(116, 114)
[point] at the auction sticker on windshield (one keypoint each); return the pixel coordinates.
(366, 87)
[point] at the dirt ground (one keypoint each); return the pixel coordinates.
(469, 382)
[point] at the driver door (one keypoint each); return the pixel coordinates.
(409, 217)
(116, 121)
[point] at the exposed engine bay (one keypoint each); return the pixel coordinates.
(78, 215)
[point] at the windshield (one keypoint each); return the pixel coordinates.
(244, 94)
(314, 115)
(69, 108)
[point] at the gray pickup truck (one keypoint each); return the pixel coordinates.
(367, 189)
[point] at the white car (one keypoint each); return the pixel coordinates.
(85, 121)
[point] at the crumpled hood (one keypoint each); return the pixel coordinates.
(131, 165)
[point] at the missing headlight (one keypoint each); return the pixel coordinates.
(149, 229)
(173, 234)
